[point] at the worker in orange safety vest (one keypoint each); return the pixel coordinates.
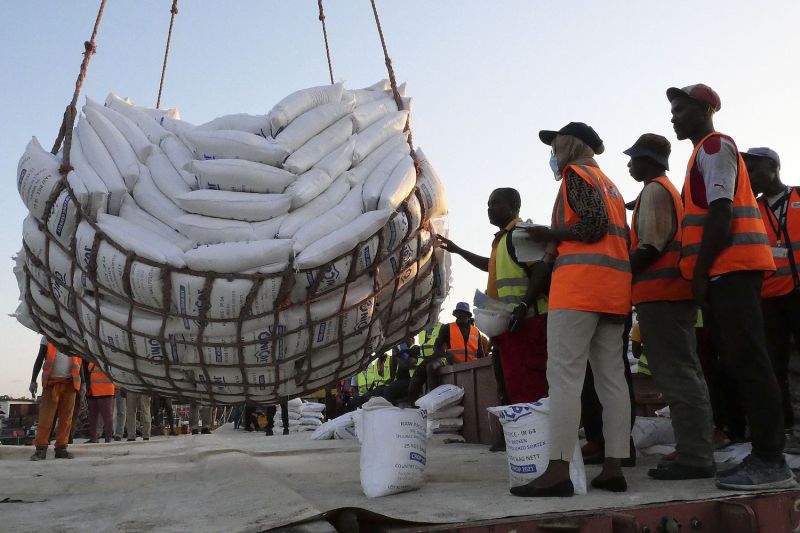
(61, 383)
(100, 399)
(725, 253)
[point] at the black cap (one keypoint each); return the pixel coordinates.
(653, 146)
(578, 130)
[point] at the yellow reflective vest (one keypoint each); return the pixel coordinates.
(370, 378)
(512, 280)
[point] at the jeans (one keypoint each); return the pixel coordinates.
(735, 309)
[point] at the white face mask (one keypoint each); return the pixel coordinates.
(554, 167)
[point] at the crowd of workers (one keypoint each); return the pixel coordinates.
(722, 255)
(66, 379)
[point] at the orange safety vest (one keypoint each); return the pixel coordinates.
(787, 232)
(99, 383)
(748, 244)
(50, 363)
(459, 350)
(661, 281)
(593, 277)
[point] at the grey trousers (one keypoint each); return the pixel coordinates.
(120, 409)
(573, 339)
(668, 340)
(136, 400)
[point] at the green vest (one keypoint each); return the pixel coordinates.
(512, 280)
(427, 340)
(369, 377)
(644, 366)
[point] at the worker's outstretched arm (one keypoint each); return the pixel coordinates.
(479, 262)
(716, 232)
(37, 367)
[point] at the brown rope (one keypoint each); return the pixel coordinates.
(65, 133)
(325, 37)
(174, 12)
(393, 81)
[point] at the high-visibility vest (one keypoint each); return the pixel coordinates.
(427, 340)
(50, 363)
(370, 377)
(99, 383)
(593, 277)
(511, 280)
(459, 351)
(787, 231)
(748, 244)
(661, 281)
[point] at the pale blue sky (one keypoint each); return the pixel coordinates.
(486, 76)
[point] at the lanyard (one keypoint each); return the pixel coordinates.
(778, 222)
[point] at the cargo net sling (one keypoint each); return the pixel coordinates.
(253, 257)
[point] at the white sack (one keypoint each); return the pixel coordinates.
(180, 156)
(368, 113)
(140, 241)
(134, 136)
(454, 411)
(37, 177)
(63, 218)
(307, 187)
(239, 175)
(98, 157)
(393, 451)
(378, 133)
(118, 148)
(98, 192)
(649, 431)
(375, 182)
(319, 146)
(327, 222)
(248, 206)
(526, 427)
(329, 199)
(431, 187)
(399, 185)
(136, 215)
(238, 256)
(310, 123)
(301, 101)
(257, 124)
(155, 202)
(212, 230)
(339, 160)
(152, 130)
(167, 179)
(342, 240)
(441, 397)
(360, 172)
(231, 144)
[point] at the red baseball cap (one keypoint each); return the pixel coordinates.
(700, 92)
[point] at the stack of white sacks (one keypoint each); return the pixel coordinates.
(322, 180)
(303, 416)
(445, 412)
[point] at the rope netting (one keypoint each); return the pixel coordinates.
(295, 331)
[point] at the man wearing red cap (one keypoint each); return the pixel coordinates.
(725, 253)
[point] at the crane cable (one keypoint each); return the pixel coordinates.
(65, 133)
(173, 11)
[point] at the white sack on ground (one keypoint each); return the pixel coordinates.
(441, 397)
(393, 450)
(527, 433)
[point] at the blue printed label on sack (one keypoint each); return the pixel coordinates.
(523, 469)
(63, 218)
(418, 457)
(218, 354)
